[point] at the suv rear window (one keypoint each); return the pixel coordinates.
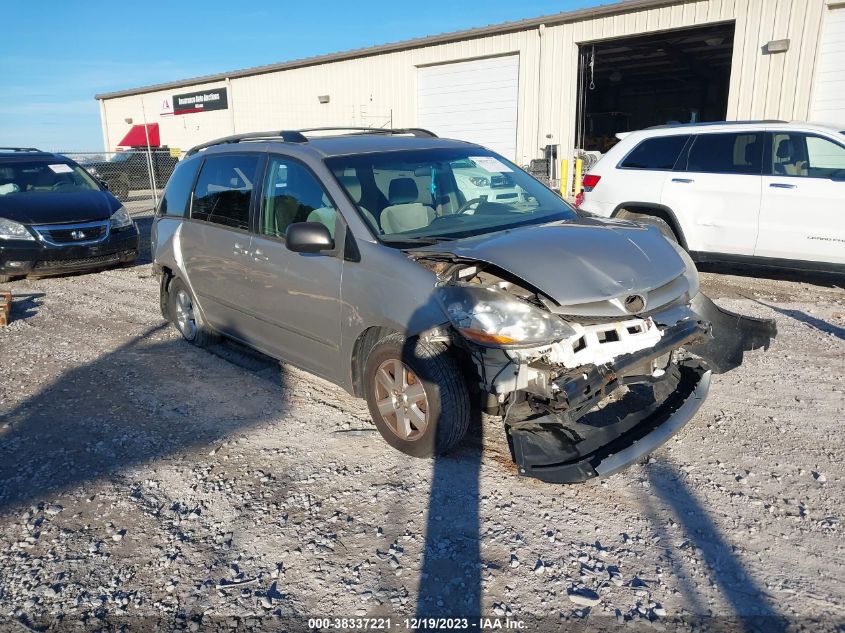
(178, 190)
(739, 153)
(655, 153)
(224, 190)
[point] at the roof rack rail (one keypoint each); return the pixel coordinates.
(713, 123)
(288, 136)
(298, 136)
(414, 131)
(19, 149)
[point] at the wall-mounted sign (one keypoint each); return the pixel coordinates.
(166, 106)
(214, 99)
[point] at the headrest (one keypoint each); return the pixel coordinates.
(403, 191)
(752, 153)
(786, 148)
(352, 186)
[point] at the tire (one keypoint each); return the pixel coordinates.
(661, 225)
(4, 279)
(185, 318)
(443, 399)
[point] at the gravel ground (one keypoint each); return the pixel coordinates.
(149, 483)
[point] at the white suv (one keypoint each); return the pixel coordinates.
(769, 193)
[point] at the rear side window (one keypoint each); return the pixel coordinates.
(178, 190)
(655, 153)
(224, 190)
(726, 154)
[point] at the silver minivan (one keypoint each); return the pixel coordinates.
(438, 280)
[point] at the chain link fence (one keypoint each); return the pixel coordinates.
(135, 177)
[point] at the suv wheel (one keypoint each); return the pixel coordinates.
(416, 395)
(661, 224)
(186, 317)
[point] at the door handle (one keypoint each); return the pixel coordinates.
(782, 185)
(259, 256)
(239, 249)
(683, 180)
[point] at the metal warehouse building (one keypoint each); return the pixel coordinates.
(538, 88)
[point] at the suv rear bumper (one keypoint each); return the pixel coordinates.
(35, 258)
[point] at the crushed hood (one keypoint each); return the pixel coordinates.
(575, 261)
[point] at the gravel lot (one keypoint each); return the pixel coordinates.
(147, 482)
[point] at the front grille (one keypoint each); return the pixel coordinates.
(73, 234)
(81, 262)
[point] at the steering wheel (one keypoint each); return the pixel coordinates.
(468, 204)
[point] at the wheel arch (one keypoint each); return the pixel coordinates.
(656, 210)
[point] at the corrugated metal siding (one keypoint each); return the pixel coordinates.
(381, 89)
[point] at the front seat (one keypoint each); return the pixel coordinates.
(405, 213)
(788, 166)
(326, 215)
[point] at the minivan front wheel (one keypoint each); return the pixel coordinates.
(185, 316)
(417, 396)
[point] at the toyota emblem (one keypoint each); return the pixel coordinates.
(634, 303)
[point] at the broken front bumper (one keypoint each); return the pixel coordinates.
(572, 439)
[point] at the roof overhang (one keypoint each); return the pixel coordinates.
(484, 31)
(141, 136)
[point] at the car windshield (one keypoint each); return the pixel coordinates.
(120, 157)
(44, 176)
(423, 196)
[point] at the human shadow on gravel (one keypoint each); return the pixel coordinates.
(149, 398)
(24, 305)
(814, 322)
(450, 578)
(753, 610)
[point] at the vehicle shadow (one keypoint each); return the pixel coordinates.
(753, 610)
(830, 280)
(124, 409)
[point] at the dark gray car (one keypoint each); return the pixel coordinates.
(366, 259)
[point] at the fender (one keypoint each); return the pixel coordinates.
(657, 210)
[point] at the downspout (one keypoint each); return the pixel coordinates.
(231, 99)
(540, 32)
(104, 125)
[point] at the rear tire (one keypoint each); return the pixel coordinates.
(417, 396)
(183, 314)
(4, 279)
(660, 223)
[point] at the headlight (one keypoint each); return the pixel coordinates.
(479, 181)
(691, 273)
(493, 318)
(120, 219)
(10, 230)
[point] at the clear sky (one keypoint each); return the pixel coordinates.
(55, 55)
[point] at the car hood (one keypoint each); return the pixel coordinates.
(55, 207)
(576, 261)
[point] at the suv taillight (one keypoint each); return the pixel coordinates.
(590, 181)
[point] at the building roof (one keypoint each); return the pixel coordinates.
(494, 29)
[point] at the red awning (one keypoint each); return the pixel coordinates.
(137, 137)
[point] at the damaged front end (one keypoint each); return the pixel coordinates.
(584, 395)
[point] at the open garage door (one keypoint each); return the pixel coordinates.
(635, 82)
(829, 88)
(473, 101)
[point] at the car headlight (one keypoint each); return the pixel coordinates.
(120, 219)
(479, 181)
(493, 318)
(691, 272)
(10, 230)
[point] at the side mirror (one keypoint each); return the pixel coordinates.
(103, 184)
(308, 237)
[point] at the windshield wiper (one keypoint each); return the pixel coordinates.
(418, 240)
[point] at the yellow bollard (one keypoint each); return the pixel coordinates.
(564, 177)
(579, 164)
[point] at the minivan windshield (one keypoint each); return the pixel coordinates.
(424, 196)
(32, 177)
